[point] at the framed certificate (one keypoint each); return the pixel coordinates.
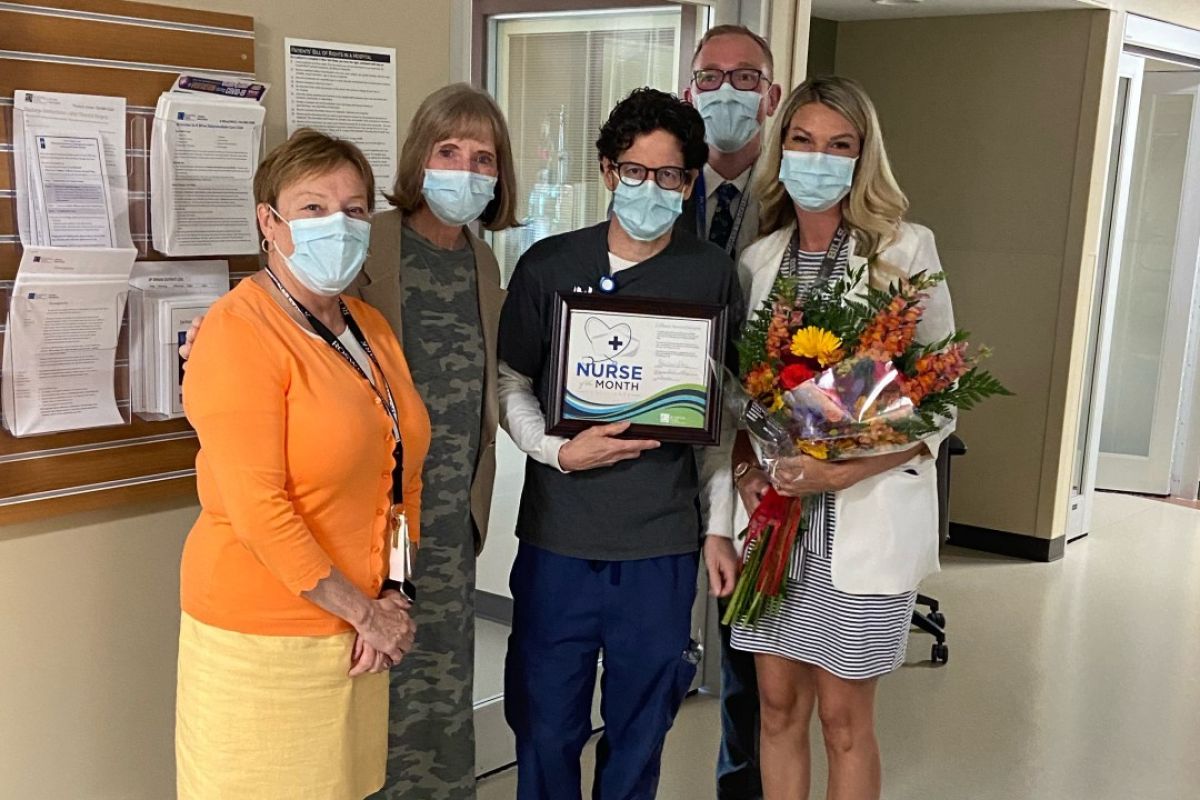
(646, 362)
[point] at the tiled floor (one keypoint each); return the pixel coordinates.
(1078, 680)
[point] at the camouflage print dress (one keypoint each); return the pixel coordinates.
(431, 749)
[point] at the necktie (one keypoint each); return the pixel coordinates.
(722, 221)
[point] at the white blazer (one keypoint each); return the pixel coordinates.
(887, 526)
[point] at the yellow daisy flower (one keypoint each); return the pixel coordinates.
(818, 343)
(818, 450)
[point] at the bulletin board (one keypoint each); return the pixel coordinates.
(116, 48)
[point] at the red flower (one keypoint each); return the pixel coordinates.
(795, 374)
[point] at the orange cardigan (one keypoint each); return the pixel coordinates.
(295, 466)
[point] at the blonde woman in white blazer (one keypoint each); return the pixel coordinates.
(873, 533)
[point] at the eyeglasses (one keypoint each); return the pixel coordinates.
(632, 173)
(745, 80)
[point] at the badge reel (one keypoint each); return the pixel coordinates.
(403, 554)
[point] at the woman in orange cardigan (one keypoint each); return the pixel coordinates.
(312, 439)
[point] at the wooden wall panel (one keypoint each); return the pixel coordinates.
(10, 259)
(92, 466)
(8, 216)
(137, 429)
(138, 87)
(148, 11)
(88, 47)
(85, 38)
(180, 487)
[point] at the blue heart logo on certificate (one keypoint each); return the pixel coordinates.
(609, 341)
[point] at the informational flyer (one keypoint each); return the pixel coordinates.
(71, 193)
(165, 297)
(59, 370)
(70, 170)
(204, 152)
(348, 91)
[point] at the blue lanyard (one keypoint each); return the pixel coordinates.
(702, 211)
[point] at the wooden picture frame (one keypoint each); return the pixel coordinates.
(655, 363)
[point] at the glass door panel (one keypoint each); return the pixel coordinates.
(1155, 280)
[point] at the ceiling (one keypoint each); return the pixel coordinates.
(848, 10)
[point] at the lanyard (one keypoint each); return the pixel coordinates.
(828, 261)
(702, 211)
(388, 400)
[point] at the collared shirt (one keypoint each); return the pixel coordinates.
(712, 182)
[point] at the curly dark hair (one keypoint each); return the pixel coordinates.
(647, 110)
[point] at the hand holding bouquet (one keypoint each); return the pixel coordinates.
(834, 376)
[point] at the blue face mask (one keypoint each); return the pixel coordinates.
(457, 196)
(816, 181)
(730, 116)
(646, 211)
(329, 251)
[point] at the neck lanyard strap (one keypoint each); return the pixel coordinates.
(828, 261)
(702, 211)
(323, 331)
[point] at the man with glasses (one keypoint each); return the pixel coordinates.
(609, 528)
(733, 91)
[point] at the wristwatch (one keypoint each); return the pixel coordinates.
(740, 471)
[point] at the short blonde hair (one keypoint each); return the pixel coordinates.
(737, 30)
(876, 205)
(453, 111)
(308, 152)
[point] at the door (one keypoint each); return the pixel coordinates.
(1120, 165)
(1154, 250)
(556, 72)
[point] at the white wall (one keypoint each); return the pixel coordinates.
(501, 548)
(89, 616)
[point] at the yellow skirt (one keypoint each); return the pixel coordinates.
(266, 717)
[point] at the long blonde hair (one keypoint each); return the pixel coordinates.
(876, 205)
(453, 111)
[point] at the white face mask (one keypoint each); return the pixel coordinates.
(646, 211)
(456, 196)
(816, 181)
(730, 116)
(327, 251)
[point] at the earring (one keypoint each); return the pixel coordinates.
(266, 245)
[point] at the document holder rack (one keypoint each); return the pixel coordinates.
(136, 51)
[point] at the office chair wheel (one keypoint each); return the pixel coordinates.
(937, 618)
(940, 653)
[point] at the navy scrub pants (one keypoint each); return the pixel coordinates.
(566, 612)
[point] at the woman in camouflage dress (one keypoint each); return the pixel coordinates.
(439, 286)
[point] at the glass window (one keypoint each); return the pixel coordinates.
(557, 76)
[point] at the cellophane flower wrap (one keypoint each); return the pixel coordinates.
(837, 375)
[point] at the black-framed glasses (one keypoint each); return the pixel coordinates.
(632, 173)
(745, 80)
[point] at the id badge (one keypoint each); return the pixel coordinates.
(400, 561)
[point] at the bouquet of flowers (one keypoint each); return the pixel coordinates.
(837, 376)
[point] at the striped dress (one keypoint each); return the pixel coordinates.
(851, 636)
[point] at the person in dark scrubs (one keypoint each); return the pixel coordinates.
(609, 528)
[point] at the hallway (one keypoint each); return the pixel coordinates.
(1077, 680)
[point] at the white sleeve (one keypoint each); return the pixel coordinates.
(716, 483)
(522, 418)
(937, 321)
